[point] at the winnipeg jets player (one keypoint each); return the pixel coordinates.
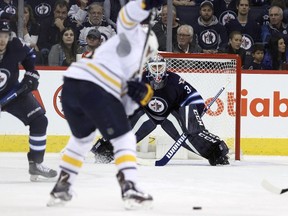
(25, 107)
(99, 93)
(173, 96)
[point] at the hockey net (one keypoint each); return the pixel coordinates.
(207, 73)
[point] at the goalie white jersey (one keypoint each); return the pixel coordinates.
(117, 60)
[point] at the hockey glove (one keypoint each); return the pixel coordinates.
(31, 80)
(149, 4)
(140, 92)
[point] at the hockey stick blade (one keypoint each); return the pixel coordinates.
(172, 151)
(273, 189)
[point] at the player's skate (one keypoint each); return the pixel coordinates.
(103, 151)
(61, 192)
(38, 170)
(132, 197)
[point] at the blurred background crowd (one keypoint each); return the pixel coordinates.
(60, 31)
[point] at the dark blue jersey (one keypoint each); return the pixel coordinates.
(211, 36)
(176, 93)
(16, 52)
(251, 32)
(254, 66)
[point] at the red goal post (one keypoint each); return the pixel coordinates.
(208, 73)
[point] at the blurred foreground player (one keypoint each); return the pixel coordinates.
(99, 93)
(173, 97)
(25, 107)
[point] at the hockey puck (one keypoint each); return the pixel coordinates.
(197, 208)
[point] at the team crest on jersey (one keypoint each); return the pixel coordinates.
(209, 37)
(247, 42)
(226, 16)
(157, 105)
(43, 9)
(10, 9)
(4, 75)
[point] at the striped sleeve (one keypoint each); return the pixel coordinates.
(131, 14)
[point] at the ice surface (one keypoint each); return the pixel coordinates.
(233, 190)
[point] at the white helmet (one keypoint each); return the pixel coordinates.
(157, 75)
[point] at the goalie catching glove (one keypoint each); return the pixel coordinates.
(149, 4)
(30, 80)
(140, 92)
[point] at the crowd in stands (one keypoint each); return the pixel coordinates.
(61, 30)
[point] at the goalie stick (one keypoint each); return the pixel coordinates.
(183, 137)
(268, 186)
(11, 96)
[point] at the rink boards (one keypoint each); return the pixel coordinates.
(264, 111)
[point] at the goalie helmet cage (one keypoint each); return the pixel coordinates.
(208, 73)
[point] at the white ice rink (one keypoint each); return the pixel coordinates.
(233, 190)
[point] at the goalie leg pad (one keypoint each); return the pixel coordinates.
(210, 147)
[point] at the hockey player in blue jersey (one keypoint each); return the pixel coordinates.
(99, 93)
(25, 107)
(173, 96)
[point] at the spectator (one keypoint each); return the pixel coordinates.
(210, 33)
(258, 55)
(96, 20)
(225, 12)
(93, 41)
(276, 54)
(64, 53)
(42, 9)
(234, 46)
(263, 18)
(78, 11)
(160, 28)
(185, 42)
(184, 2)
(111, 10)
(250, 29)
(31, 28)
(276, 25)
(51, 28)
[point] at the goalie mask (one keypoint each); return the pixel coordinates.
(157, 75)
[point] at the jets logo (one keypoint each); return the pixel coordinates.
(57, 104)
(247, 42)
(4, 75)
(10, 9)
(42, 9)
(226, 16)
(157, 105)
(209, 37)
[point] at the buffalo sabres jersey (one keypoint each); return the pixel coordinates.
(118, 59)
(16, 52)
(176, 93)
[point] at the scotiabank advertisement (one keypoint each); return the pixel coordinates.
(264, 112)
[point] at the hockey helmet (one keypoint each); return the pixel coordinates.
(156, 67)
(4, 26)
